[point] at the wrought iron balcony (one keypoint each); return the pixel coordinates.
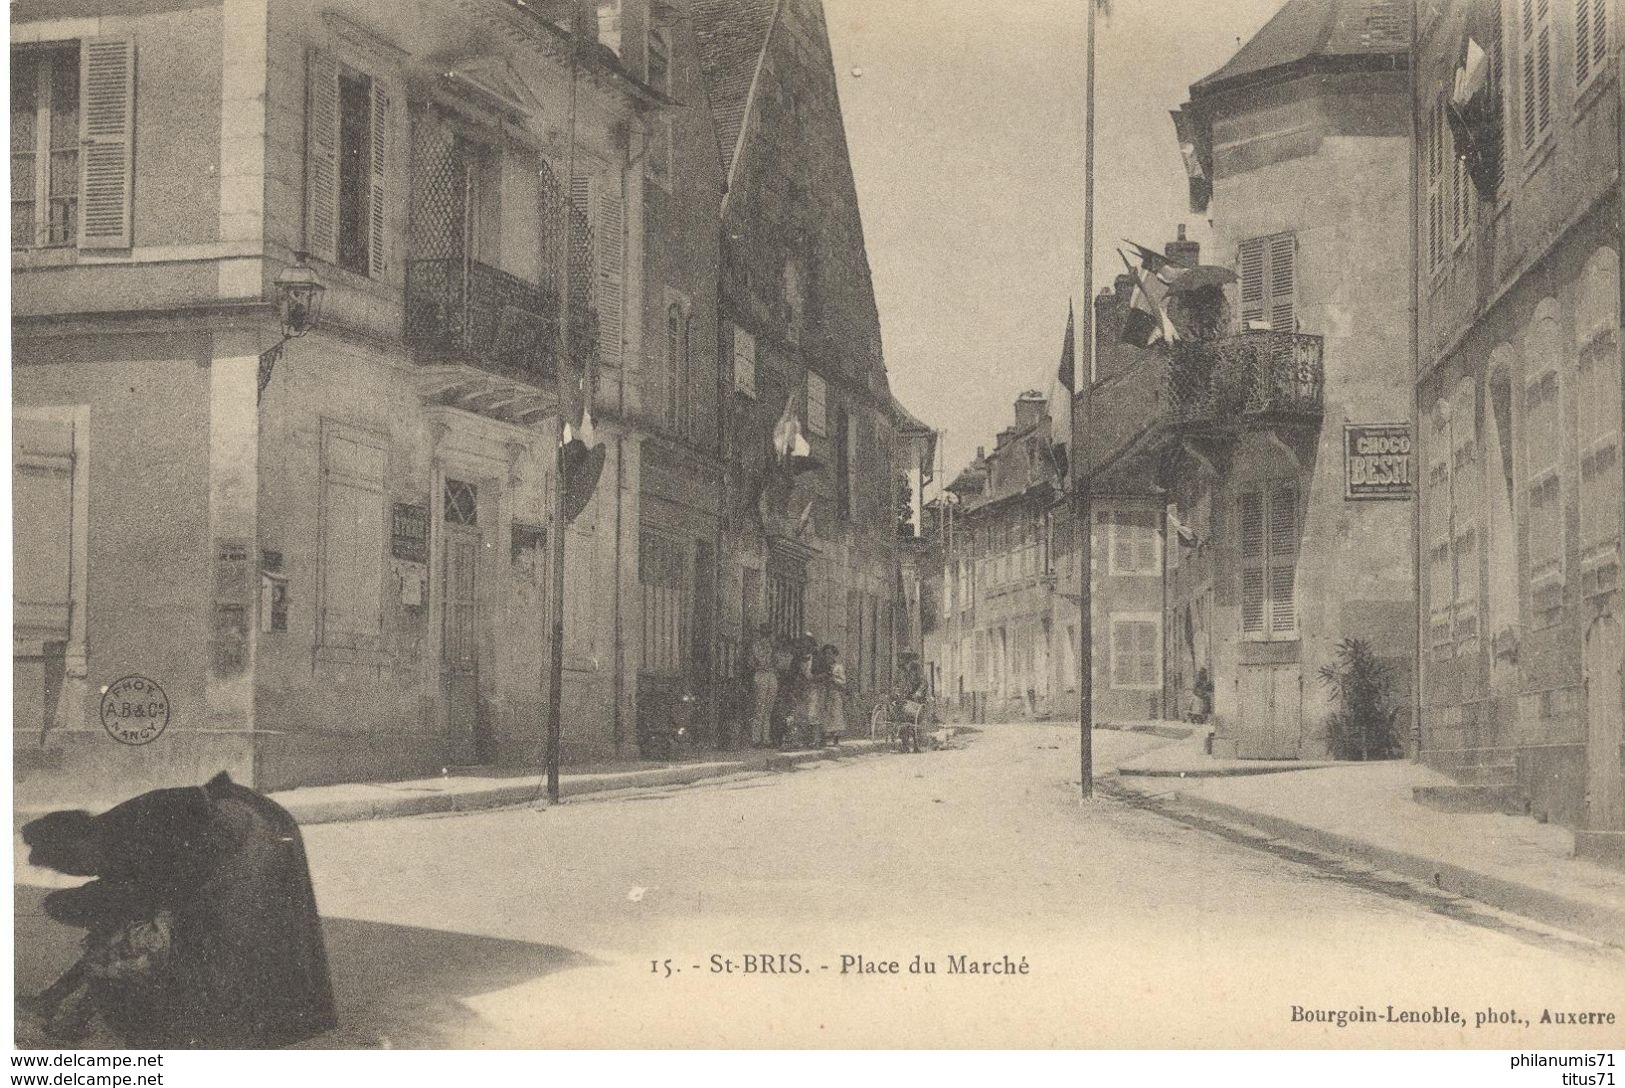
(1250, 378)
(465, 311)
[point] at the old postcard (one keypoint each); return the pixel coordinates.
(818, 524)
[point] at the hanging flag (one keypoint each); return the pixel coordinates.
(1164, 268)
(1069, 369)
(787, 432)
(1147, 320)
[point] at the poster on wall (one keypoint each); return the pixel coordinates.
(1377, 461)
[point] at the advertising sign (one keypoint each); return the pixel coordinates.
(1377, 460)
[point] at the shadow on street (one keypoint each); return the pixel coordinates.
(396, 986)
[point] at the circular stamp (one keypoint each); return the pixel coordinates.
(135, 710)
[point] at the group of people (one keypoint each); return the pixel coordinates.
(798, 691)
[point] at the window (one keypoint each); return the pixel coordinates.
(744, 362)
(663, 575)
(845, 452)
(347, 131)
(1590, 40)
(1267, 282)
(1136, 651)
(660, 136)
(786, 603)
(1133, 541)
(1543, 465)
(45, 146)
(1598, 431)
(1466, 482)
(353, 529)
(672, 408)
(50, 529)
(1436, 506)
(817, 411)
(1535, 56)
(1268, 530)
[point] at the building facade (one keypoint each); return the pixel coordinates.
(1518, 389)
(331, 556)
(1284, 538)
(817, 552)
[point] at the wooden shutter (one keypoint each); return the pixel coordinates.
(1498, 93)
(1283, 254)
(322, 156)
(1582, 41)
(42, 519)
(609, 236)
(352, 542)
(378, 207)
(1252, 261)
(1283, 558)
(1145, 652)
(107, 137)
(1253, 595)
(1535, 46)
(1123, 654)
(1441, 590)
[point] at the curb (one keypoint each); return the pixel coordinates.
(528, 790)
(1129, 771)
(1600, 923)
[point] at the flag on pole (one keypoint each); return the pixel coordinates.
(1068, 372)
(1147, 320)
(1164, 268)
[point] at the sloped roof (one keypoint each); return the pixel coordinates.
(732, 34)
(1306, 30)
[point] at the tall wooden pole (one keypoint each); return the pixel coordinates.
(1083, 375)
(555, 540)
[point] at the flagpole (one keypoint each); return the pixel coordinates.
(566, 365)
(1083, 377)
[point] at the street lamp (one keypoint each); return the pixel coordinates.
(298, 306)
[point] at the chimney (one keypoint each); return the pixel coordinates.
(1124, 286)
(1031, 407)
(1182, 251)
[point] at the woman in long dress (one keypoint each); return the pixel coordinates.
(834, 703)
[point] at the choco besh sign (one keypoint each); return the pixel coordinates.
(1378, 461)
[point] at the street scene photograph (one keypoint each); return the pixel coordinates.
(925, 525)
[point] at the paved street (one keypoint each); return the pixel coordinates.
(538, 928)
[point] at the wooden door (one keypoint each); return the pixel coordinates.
(1605, 777)
(1269, 703)
(460, 641)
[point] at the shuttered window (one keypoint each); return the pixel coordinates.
(1268, 530)
(1437, 535)
(1591, 30)
(1466, 530)
(348, 159)
(72, 116)
(43, 538)
(1268, 281)
(609, 243)
(744, 361)
(1136, 653)
(1543, 469)
(664, 577)
(352, 538)
(1535, 69)
(1602, 490)
(817, 407)
(1134, 542)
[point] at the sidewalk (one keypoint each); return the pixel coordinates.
(467, 792)
(1365, 812)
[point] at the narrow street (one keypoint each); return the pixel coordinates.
(541, 927)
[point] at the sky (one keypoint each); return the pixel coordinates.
(965, 124)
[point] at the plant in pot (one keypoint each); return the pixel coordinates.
(1363, 725)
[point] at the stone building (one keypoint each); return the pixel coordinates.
(330, 555)
(1518, 387)
(819, 553)
(1290, 539)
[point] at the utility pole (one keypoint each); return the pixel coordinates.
(565, 367)
(1084, 376)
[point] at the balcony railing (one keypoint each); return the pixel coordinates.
(1253, 377)
(470, 312)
